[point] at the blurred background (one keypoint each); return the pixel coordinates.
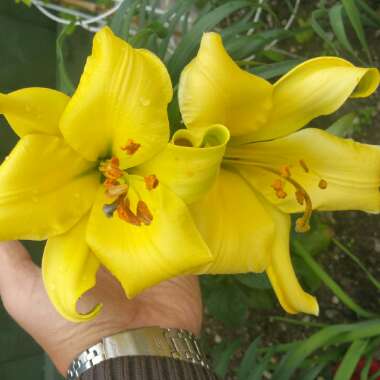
(246, 334)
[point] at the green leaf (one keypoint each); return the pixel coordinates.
(330, 283)
(254, 280)
(354, 16)
(345, 126)
(318, 29)
(228, 303)
(249, 360)
(272, 70)
(337, 25)
(222, 355)
(261, 367)
(64, 82)
(350, 360)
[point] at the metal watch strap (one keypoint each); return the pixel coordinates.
(150, 341)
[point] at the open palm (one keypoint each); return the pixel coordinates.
(175, 303)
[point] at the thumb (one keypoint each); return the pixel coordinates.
(17, 271)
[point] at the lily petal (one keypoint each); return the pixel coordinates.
(190, 163)
(350, 170)
(46, 188)
(316, 87)
(281, 273)
(33, 110)
(235, 225)
(142, 256)
(122, 98)
(69, 270)
(214, 90)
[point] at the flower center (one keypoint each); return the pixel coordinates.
(117, 186)
(284, 175)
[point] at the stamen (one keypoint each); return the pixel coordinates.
(117, 190)
(131, 147)
(281, 194)
(278, 184)
(151, 182)
(285, 171)
(300, 196)
(302, 223)
(322, 184)
(304, 166)
(110, 169)
(125, 213)
(143, 213)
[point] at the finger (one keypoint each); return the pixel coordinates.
(17, 271)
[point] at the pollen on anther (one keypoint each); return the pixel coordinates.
(151, 181)
(131, 147)
(322, 184)
(143, 213)
(277, 184)
(285, 171)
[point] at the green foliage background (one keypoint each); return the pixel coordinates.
(35, 52)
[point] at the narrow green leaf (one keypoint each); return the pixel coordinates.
(350, 360)
(369, 11)
(222, 359)
(367, 366)
(261, 367)
(375, 376)
(345, 126)
(354, 16)
(330, 283)
(318, 29)
(254, 280)
(337, 25)
(370, 277)
(273, 70)
(313, 372)
(249, 360)
(64, 82)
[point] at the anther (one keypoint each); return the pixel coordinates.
(116, 190)
(110, 169)
(304, 166)
(151, 181)
(322, 184)
(281, 194)
(277, 184)
(131, 147)
(302, 225)
(143, 213)
(285, 171)
(109, 209)
(124, 212)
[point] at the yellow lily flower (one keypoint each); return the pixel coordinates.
(82, 175)
(269, 169)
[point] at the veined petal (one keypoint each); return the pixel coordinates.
(33, 110)
(351, 170)
(69, 270)
(122, 98)
(46, 187)
(281, 273)
(142, 256)
(235, 225)
(190, 163)
(316, 87)
(214, 90)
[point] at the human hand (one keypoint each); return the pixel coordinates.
(174, 304)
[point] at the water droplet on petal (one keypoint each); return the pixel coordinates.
(145, 102)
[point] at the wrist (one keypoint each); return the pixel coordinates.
(144, 342)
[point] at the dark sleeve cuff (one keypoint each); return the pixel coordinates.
(147, 368)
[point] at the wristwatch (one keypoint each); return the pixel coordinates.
(149, 341)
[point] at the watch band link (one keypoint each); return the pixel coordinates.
(151, 341)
